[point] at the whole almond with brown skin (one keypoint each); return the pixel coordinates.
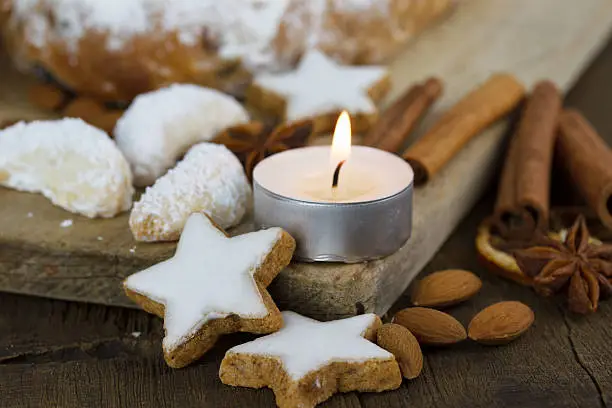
(501, 323)
(398, 341)
(445, 288)
(430, 326)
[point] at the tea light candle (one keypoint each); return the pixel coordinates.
(341, 203)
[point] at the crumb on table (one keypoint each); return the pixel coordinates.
(66, 223)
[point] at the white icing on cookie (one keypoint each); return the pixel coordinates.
(210, 277)
(320, 86)
(209, 179)
(73, 164)
(304, 345)
(160, 126)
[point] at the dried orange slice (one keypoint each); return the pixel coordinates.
(499, 262)
(503, 263)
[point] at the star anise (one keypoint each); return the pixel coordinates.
(583, 267)
(252, 142)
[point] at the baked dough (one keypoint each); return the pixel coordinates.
(209, 180)
(115, 50)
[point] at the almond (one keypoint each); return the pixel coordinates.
(501, 323)
(431, 326)
(404, 346)
(445, 288)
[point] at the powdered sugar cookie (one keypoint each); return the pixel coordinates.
(115, 50)
(213, 285)
(307, 361)
(162, 125)
(73, 164)
(210, 179)
(320, 89)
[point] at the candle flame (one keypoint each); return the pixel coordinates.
(341, 143)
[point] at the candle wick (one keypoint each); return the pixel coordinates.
(337, 174)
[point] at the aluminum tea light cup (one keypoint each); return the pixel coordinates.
(340, 203)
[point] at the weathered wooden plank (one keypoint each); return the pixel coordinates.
(538, 370)
(86, 357)
(38, 257)
(42, 331)
(590, 337)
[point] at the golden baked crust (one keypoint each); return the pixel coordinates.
(117, 63)
(261, 370)
(254, 372)
(363, 32)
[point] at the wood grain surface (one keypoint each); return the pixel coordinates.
(74, 355)
(529, 39)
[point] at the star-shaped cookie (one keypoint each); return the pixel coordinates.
(319, 89)
(308, 361)
(213, 285)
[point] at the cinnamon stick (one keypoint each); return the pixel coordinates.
(588, 161)
(523, 198)
(398, 121)
(472, 114)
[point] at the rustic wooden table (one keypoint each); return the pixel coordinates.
(62, 354)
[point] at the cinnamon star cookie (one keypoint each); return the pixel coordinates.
(213, 285)
(307, 361)
(319, 89)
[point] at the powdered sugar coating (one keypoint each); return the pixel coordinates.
(210, 179)
(304, 345)
(320, 86)
(210, 277)
(360, 5)
(243, 28)
(75, 165)
(161, 125)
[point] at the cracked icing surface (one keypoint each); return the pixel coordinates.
(209, 179)
(75, 165)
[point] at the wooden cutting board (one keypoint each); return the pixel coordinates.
(87, 261)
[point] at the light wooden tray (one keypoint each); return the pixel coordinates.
(552, 39)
